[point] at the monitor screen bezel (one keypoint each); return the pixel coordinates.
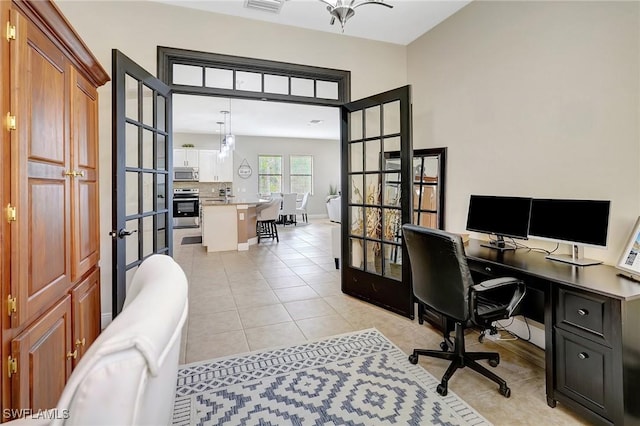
(485, 231)
(572, 242)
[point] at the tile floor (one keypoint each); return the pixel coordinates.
(279, 294)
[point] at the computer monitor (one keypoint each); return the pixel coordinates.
(501, 216)
(576, 222)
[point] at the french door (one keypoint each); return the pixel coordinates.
(376, 199)
(142, 188)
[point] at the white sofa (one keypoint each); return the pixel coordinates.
(333, 209)
(128, 376)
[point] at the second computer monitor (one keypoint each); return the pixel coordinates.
(501, 216)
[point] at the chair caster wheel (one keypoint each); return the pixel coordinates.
(505, 391)
(444, 346)
(494, 362)
(442, 390)
(413, 359)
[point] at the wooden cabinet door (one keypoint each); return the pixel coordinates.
(84, 196)
(85, 301)
(40, 263)
(43, 366)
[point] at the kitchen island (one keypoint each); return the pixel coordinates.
(228, 224)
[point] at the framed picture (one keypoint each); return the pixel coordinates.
(629, 261)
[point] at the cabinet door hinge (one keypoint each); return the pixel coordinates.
(12, 305)
(12, 366)
(11, 121)
(11, 31)
(11, 213)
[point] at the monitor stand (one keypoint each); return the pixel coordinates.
(498, 244)
(575, 258)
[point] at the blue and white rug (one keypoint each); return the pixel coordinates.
(358, 378)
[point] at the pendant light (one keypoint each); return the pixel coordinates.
(229, 138)
(222, 153)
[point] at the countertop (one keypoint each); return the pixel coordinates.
(233, 201)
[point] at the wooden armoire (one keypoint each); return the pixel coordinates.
(49, 232)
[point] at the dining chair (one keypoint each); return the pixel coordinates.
(302, 210)
(288, 210)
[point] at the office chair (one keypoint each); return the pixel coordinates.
(442, 281)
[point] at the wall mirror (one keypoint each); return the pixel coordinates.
(428, 187)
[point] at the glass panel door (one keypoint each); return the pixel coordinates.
(142, 192)
(378, 201)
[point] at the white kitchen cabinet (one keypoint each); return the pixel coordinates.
(225, 169)
(214, 170)
(185, 157)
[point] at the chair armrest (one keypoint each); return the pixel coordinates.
(513, 288)
(495, 283)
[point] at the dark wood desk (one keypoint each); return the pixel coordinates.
(592, 330)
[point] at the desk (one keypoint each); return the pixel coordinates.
(592, 330)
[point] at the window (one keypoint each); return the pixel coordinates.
(269, 173)
(300, 173)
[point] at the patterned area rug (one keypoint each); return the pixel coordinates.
(358, 378)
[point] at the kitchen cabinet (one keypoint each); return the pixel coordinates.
(186, 157)
(214, 170)
(51, 299)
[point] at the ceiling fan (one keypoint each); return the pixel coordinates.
(345, 9)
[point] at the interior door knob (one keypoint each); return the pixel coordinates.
(122, 233)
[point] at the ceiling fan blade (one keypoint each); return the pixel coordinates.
(381, 3)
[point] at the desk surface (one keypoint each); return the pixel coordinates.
(601, 279)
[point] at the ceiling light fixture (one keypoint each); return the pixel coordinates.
(224, 149)
(345, 9)
(229, 138)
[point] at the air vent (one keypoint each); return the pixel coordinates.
(272, 6)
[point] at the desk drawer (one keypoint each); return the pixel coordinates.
(584, 372)
(591, 313)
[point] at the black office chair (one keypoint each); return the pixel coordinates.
(442, 281)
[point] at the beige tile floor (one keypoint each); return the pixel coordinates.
(285, 293)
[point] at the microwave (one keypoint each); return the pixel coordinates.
(185, 174)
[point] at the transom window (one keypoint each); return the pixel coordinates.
(187, 71)
(269, 174)
(301, 173)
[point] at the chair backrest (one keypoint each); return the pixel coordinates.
(289, 203)
(305, 199)
(441, 277)
(269, 211)
(128, 376)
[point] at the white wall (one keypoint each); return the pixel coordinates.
(326, 162)
(535, 99)
(138, 27)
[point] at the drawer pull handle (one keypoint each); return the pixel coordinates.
(487, 269)
(583, 312)
(73, 354)
(583, 355)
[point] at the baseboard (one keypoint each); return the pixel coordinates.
(243, 246)
(532, 330)
(105, 320)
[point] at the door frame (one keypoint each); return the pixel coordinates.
(168, 57)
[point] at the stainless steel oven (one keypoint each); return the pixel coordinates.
(186, 207)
